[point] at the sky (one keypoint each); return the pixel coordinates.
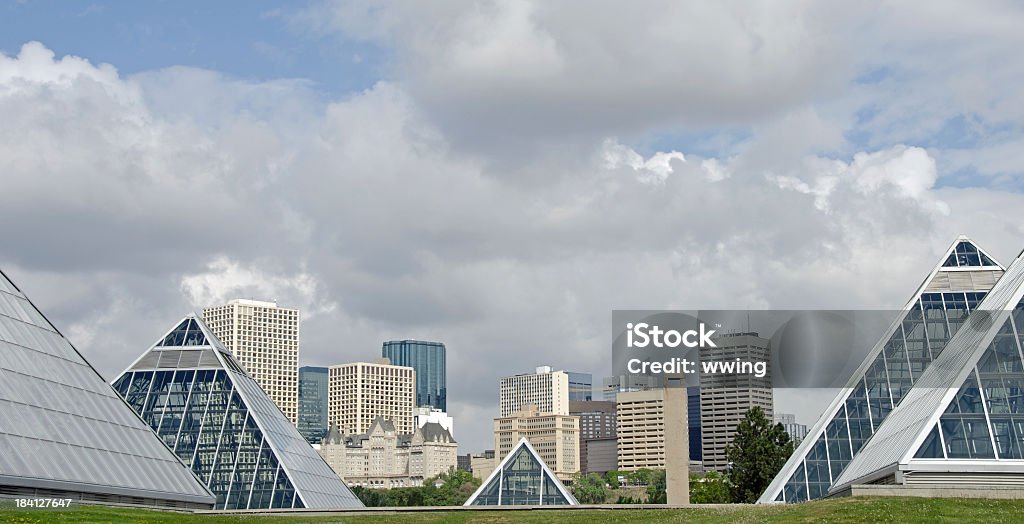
(498, 176)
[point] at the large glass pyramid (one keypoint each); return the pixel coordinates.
(937, 310)
(65, 433)
(963, 424)
(522, 479)
(219, 421)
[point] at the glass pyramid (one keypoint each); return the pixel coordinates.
(936, 311)
(65, 433)
(963, 424)
(522, 479)
(219, 421)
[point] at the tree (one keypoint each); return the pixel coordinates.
(712, 488)
(640, 477)
(612, 478)
(589, 489)
(656, 486)
(756, 454)
(447, 489)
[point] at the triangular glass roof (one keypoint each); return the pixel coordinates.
(186, 334)
(220, 423)
(940, 306)
(522, 479)
(967, 412)
(63, 428)
(966, 254)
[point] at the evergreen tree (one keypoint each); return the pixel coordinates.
(756, 454)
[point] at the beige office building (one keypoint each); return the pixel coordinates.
(264, 338)
(360, 392)
(546, 390)
(725, 399)
(554, 436)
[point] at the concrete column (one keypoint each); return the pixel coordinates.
(677, 442)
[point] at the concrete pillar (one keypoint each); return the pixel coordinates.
(677, 442)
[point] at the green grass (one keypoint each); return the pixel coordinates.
(869, 510)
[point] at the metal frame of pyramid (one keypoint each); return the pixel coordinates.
(861, 408)
(498, 476)
(65, 433)
(971, 399)
(272, 464)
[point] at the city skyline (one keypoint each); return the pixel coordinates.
(489, 175)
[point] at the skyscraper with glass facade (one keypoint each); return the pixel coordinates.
(428, 359)
(220, 422)
(581, 387)
(937, 310)
(313, 403)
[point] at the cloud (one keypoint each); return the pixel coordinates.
(128, 201)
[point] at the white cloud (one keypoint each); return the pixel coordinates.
(225, 279)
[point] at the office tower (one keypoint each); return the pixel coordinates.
(598, 449)
(219, 422)
(522, 479)
(958, 431)
(383, 458)
(65, 433)
(360, 392)
(556, 437)
(693, 426)
(581, 386)
(313, 403)
(546, 390)
(427, 414)
(797, 432)
(428, 359)
(264, 339)
(960, 279)
(640, 419)
(482, 464)
(624, 383)
(726, 398)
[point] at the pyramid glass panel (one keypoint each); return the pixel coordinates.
(221, 424)
(522, 479)
(938, 309)
(971, 434)
(66, 433)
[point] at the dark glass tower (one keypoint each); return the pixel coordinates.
(313, 403)
(428, 359)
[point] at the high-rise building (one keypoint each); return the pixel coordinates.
(597, 426)
(555, 437)
(796, 431)
(65, 433)
(581, 386)
(693, 425)
(726, 398)
(264, 339)
(360, 392)
(384, 458)
(935, 312)
(546, 390)
(959, 431)
(313, 403)
(222, 424)
(624, 383)
(641, 431)
(428, 359)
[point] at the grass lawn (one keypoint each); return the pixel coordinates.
(871, 510)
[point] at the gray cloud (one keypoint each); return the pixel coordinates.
(395, 213)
